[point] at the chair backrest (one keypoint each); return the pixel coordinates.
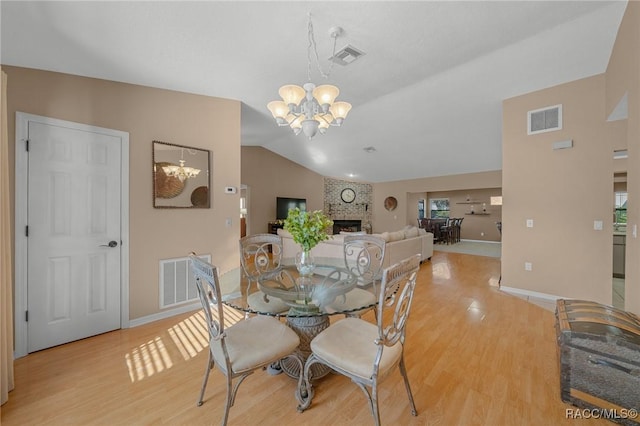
(207, 283)
(396, 294)
(259, 254)
(363, 257)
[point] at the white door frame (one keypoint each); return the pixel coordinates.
(21, 204)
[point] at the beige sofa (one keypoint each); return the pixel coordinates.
(399, 245)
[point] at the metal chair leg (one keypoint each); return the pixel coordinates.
(210, 365)
(403, 371)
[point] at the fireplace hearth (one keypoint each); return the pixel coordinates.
(347, 225)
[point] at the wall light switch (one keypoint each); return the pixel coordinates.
(597, 225)
(228, 222)
(529, 223)
(528, 266)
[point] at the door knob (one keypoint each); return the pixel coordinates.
(111, 244)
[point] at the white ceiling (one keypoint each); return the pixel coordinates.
(427, 94)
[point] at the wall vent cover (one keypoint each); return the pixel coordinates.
(546, 119)
(177, 283)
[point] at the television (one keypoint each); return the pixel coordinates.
(283, 205)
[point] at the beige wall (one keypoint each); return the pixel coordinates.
(623, 76)
(268, 175)
(565, 191)
(562, 191)
(149, 114)
(406, 192)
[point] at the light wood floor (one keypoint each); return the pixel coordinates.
(475, 356)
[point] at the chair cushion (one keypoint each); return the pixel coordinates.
(354, 299)
(273, 306)
(349, 344)
(256, 341)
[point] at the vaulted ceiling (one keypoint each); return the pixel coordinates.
(427, 95)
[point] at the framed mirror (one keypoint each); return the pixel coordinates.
(180, 176)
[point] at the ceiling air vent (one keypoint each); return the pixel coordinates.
(346, 55)
(545, 119)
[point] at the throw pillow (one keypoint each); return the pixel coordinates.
(411, 232)
(396, 236)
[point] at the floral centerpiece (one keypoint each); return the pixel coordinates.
(307, 230)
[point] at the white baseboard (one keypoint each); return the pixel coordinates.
(176, 311)
(480, 241)
(164, 314)
(529, 293)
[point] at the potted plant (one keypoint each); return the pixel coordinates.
(307, 230)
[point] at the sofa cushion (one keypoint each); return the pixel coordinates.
(396, 236)
(411, 232)
(284, 233)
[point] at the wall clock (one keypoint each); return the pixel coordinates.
(348, 195)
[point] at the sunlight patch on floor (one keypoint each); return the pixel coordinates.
(190, 337)
(147, 359)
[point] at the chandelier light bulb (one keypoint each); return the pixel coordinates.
(291, 94)
(326, 94)
(278, 109)
(339, 110)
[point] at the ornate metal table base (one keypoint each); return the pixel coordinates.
(306, 328)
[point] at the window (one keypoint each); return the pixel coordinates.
(439, 208)
(620, 212)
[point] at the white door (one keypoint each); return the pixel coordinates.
(74, 234)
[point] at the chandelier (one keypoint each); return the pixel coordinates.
(310, 108)
(181, 172)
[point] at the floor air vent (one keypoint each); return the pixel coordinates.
(177, 284)
(545, 119)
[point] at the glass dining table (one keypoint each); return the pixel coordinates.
(306, 302)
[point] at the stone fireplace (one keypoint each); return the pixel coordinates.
(346, 225)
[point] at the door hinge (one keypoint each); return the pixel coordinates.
(26, 316)
(26, 145)
(26, 231)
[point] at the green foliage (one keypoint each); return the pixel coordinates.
(307, 229)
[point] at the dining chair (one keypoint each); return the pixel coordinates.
(261, 254)
(366, 352)
(458, 229)
(242, 348)
(363, 257)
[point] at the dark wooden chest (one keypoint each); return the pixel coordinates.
(599, 355)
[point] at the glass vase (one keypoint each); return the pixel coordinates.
(305, 263)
